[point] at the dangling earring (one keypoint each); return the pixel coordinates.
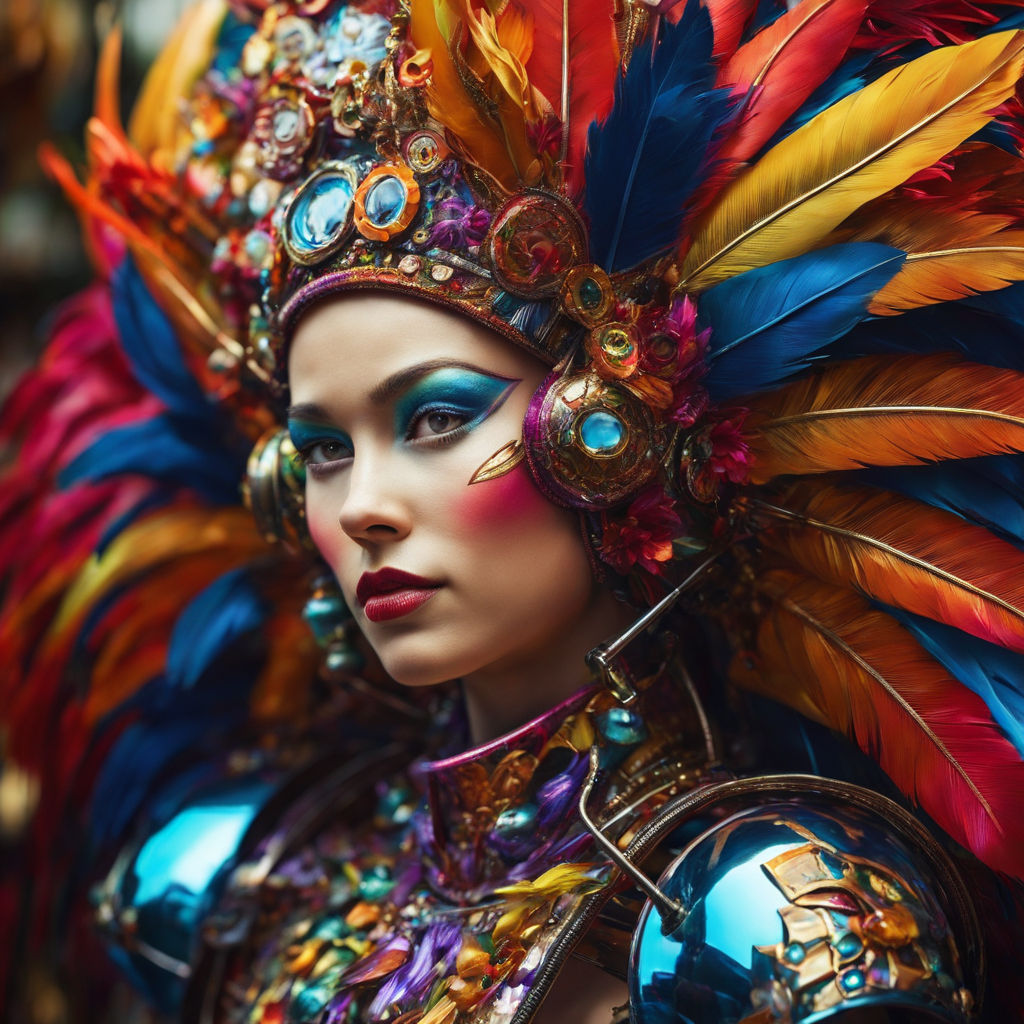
(329, 619)
(274, 491)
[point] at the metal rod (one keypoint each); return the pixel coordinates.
(672, 913)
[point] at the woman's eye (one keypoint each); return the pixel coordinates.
(435, 424)
(326, 451)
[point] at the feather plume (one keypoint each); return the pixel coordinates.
(851, 153)
(766, 324)
(829, 655)
(728, 19)
(645, 160)
(881, 411)
(902, 553)
(988, 491)
(587, 81)
(468, 45)
(156, 124)
(995, 674)
(952, 272)
(783, 64)
(988, 327)
(895, 23)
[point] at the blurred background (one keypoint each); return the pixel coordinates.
(48, 51)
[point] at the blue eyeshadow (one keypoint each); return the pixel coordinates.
(452, 389)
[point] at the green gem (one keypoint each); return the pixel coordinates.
(308, 1004)
(590, 293)
(617, 344)
(324, 614)
(344, 659)
(331, 928)
(516, 821)
(376, 883)
(848, 945)
(621, 726)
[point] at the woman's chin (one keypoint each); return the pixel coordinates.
(421, 663)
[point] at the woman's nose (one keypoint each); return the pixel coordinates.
(374, 509)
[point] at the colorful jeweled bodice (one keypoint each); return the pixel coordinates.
(454, 899)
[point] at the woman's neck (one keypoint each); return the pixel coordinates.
(505, 695)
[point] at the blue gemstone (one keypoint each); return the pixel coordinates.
(622, 726)
(516, 822)
(320, 213)
(794, 953)
(602, 433)
(385, 202)
(851, 981)
(848, 945)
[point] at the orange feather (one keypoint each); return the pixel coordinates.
(880, 411)
(829, 655)
(953, 271)
(903, 553)
(462, 42)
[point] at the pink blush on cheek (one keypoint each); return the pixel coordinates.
(327, 537)
(507, 500)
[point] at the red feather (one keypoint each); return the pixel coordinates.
(892, 24)
(591, 73)
(830, 655)
(783, 64)
(728, 20)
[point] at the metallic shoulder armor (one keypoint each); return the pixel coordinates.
(809, 905)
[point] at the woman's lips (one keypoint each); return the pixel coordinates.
(396, 604)
(391, 593)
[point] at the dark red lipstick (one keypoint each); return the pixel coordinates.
(391, 593)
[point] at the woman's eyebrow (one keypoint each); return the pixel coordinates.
(307, 411)
(398, 382)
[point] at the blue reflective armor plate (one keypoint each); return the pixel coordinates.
(797, 914)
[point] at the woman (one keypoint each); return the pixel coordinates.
(542, 377)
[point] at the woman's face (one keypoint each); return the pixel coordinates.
(396, 404)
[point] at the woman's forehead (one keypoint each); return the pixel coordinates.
(360, 340)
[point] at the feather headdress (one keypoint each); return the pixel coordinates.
(780, 246)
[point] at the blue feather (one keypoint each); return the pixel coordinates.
(151, 345)
(771, 322)
(988, 491)
(168, 449)
(995, 674)
(143, 756)
(646, 159)
(225, 611)
(987, 328)
(231, 40)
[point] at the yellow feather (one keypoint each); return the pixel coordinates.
(175, 534)
(156, 122)
(851, 153)
(953, 272)
(468, 132)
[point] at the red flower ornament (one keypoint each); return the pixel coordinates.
(643, 536)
